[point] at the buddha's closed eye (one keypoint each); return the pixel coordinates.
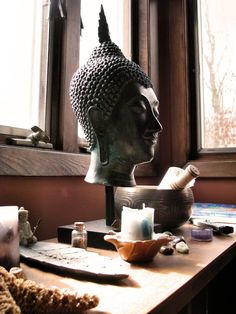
(139, 107)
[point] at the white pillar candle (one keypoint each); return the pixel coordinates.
(137, 224)
(9, 236)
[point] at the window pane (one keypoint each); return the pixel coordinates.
(117, 15)
(116, 12)
(23, 32)
(217, 51)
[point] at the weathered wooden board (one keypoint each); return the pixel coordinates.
(75, 261)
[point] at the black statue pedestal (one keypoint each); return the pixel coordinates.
(96, 229)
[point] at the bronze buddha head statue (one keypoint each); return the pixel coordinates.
(117, 108)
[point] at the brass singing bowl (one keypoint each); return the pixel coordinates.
(172, 208)
(138, 251)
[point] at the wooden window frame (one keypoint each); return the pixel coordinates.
(211, 163)
(66, 160)
(177, 95)
(162, 46)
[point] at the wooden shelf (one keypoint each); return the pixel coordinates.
(168, 284)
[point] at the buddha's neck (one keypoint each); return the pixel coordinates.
(115, 173)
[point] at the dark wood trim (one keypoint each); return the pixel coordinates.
(141, 38)
(68, 133)
(173, 83)
(178, 81)
(215, 168)
(192, 68)
(145, 53)
(18, 161)
(154, 45)
(177, 95)
(215, 165)
(53, 80)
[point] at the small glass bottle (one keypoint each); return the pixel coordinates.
(79, 236)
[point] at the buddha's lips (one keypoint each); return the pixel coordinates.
(151, 137)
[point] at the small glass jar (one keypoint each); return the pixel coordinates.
(79, 236)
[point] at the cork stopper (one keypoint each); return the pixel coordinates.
(79, 225)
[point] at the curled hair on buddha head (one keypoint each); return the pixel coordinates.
(99, 82)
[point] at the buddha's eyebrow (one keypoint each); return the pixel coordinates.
(155, 102)
(135, 98)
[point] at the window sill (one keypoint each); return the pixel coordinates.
(215, 168)
(20, 161)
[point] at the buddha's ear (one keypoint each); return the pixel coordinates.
(96, 118)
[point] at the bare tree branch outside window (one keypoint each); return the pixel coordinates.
(217, 50)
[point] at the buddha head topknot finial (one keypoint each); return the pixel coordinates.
(100, 81)
(103, 29)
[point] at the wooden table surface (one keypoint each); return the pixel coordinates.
(157, 286)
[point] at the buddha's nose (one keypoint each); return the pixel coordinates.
(155, 123)
(159, 126)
